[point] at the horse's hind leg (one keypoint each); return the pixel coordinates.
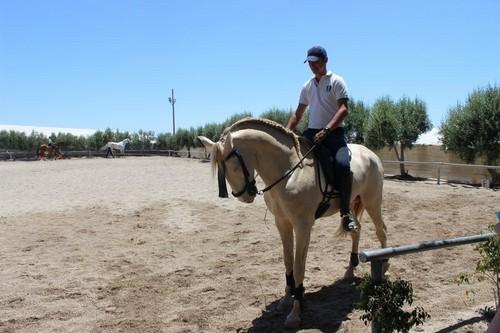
(375, 212)
(355, 236)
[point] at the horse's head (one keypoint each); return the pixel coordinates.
(235, 164)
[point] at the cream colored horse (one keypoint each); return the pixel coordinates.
(256, 145)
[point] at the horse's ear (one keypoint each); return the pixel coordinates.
(228, 144)
(206, 142)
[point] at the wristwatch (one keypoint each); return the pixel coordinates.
(327, 129)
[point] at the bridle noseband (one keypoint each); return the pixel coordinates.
(250, 187)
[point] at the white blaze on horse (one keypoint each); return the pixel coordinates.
(264, 147)
(111, 146)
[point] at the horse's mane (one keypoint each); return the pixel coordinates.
(250, 122)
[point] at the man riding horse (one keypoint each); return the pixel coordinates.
(51, 149)
(326, 95)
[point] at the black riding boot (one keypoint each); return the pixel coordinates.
(345, 188)
(327, 165)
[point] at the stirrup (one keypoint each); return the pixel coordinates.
(348, 223)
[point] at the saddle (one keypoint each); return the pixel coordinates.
(325, 163)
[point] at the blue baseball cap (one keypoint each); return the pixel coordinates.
(315, 53)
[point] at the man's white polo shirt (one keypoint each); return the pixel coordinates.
(322, 97)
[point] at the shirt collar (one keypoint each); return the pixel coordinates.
(328, 73)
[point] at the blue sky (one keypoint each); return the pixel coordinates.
(109, 63)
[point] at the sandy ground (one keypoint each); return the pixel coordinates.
(145, 245)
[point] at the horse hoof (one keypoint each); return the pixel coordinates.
(349, 274)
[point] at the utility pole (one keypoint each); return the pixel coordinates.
(172, 101)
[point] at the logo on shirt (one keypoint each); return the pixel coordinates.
(329, 88)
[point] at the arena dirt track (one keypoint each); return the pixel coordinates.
(145, 245)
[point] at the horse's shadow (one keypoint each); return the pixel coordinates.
(324, 310)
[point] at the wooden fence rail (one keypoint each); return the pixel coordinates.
(439, 165)
(31, 156)
(200, 153)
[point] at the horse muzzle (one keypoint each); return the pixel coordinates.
(246, 198)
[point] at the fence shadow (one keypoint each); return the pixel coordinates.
(463, 323)
(324, 310)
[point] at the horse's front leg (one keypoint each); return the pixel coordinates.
(302, 238)
(286, 233)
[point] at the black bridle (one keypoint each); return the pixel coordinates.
(250, 186)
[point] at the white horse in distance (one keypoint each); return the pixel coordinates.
(111, 146)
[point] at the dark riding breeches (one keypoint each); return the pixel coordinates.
(336, 144)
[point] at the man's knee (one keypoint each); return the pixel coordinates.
(343, 161)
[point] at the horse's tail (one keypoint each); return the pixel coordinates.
(103, 147)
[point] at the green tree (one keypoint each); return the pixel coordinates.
(234, 118)
(96, 141)
(303, 123)
(397, 125)
(35, 139)
(381, 126)
(140, 140)
(165, 141)
(356, 120)
(108, 135)
(472, 130)
(278, 115)
(185, 138)
(212, 131)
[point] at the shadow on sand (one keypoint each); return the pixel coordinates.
(324, 310)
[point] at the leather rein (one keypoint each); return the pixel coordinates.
(250, 186)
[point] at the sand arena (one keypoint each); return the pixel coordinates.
(145, 245)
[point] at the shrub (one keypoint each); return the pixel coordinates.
(382, 302)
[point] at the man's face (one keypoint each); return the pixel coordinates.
(318, 67)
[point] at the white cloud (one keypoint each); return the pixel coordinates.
(48, 130)
(431, 137)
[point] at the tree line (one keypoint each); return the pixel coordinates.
(471, 129)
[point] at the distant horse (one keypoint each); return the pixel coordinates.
(257, 145)
(46, 151)
(110, 146)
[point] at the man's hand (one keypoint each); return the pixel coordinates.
(320, 136)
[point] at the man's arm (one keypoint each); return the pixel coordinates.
(295, 118)
(342, 111)
(336, 120)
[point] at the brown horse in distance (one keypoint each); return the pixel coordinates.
(45, 151)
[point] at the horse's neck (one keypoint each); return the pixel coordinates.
(273, 157)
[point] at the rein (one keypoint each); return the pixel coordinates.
(250, 187)
(289, 172)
